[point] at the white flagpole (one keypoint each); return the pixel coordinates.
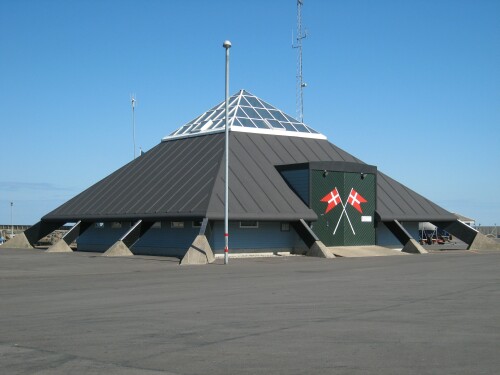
(343, 210)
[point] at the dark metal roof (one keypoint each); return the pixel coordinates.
(257, 190)
(394, 200)
(184, 178)
(174, 179)
(397, 202)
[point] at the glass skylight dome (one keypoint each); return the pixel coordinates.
(247, 113)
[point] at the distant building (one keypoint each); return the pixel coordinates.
(466, 220)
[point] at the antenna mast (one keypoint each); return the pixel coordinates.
(300, 84)
(132, 101)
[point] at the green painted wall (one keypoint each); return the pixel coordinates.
(338, 227)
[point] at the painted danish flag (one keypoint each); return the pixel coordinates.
(355, 200)
(332, 198)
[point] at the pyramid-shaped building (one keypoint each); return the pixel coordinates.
(290, 190)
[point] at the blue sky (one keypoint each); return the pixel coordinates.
(410, 86)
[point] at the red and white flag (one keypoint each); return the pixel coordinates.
(355, 200)
(332, 198)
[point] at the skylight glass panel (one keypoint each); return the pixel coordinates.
(252, 113)
(244, 102)
(207, 125)
(278, 115)
(288, 126)
(236, 122)
(214, 125)
(261, 124)
(204, 117)
(266, 105)
(197, 126)
(233, 100)
(301, 128)
(275, 124)
(289, 118)
(254, 102)
(247, 123)
(240, 113)
(183, 129)
(264, 113)
(219, 114)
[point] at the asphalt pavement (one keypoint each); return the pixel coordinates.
(85, 314)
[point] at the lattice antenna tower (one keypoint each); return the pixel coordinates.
(300, 84)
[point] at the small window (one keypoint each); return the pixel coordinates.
(99, 225)
(177, 224)
(197, 223)
(249, 224)
(285, 227)
(116, 225)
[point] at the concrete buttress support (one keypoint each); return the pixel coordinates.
(118, 249)
(59, 247)
(474, 239)
(29, 238)
(408, 242)
(62, 246)
(316, 247)
(18, 242)
(200, 251)
(481, 242)
(319, 250)
(123, 245)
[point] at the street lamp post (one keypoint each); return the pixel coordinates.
(11, 222)
(226, 45)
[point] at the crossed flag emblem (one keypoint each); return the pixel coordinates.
(333, 199)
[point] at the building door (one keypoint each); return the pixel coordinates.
(345, 203)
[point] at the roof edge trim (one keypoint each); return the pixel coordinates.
(278, 132)
(247, 130)
(181, 136)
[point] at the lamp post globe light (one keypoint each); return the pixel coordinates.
(226, 45)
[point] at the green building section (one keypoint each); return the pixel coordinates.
(344, 225)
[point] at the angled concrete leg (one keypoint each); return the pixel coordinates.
(121, 248)
(316, 247)
(118, 249)
(59, 247)
(200, 251)
(409, 244)
(29, 238)
(474, 239)
(413, 247)
(18, 242)
(319, 250)
(481, 242)
(62, 246)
